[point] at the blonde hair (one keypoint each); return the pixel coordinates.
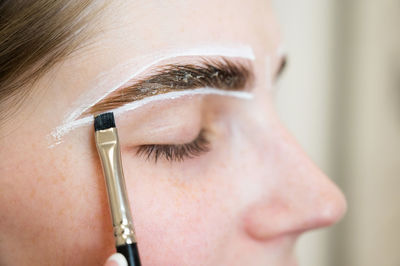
(34, 36)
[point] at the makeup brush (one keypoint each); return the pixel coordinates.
(107, 144)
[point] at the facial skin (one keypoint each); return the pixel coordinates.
(244, 202)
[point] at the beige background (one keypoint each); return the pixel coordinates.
(340, 97)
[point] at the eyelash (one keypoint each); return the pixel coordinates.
(178, 152)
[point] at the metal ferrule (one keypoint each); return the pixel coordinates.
(107, 144)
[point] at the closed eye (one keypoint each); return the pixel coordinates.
(175, 152)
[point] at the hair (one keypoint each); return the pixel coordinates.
(34, 36)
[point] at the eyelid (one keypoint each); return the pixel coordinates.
(173, 152)
(175, 121)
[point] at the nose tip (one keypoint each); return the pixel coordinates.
(301, 211)
(294, 195)
(332, 208)
(301, 198)
(320, 202)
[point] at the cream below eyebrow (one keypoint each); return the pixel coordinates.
(60, 131)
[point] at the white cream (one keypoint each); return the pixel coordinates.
(92, 97)
(60, 131)
(281, 50)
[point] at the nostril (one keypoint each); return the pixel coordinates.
(268, 219)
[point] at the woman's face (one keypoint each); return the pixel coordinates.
(242, 197)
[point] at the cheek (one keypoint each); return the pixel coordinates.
(56, 197)
(179, 218)
(192, 211)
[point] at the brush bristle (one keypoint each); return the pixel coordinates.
(104, 121)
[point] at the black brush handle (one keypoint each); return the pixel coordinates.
(131, 253)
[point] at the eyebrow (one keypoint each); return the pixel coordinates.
(223, 74)
(282, 66)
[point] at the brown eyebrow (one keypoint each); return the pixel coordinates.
(282, 67)
(221, 74)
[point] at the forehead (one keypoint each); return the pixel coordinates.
(148, 25)
(130, 34)
(137, 31)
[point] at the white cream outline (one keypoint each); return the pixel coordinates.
(64, 129)
(281, 50)
(241, 51)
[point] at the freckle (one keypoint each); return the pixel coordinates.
(178, 183)
(54, 180)
(33, 193)
(183, 190)
(61, 211)
(65, 159)
(63, 177)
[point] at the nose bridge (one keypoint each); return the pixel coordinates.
(302, 197)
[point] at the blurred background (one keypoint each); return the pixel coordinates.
(340, 97)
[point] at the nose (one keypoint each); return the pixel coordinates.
(296, 196)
